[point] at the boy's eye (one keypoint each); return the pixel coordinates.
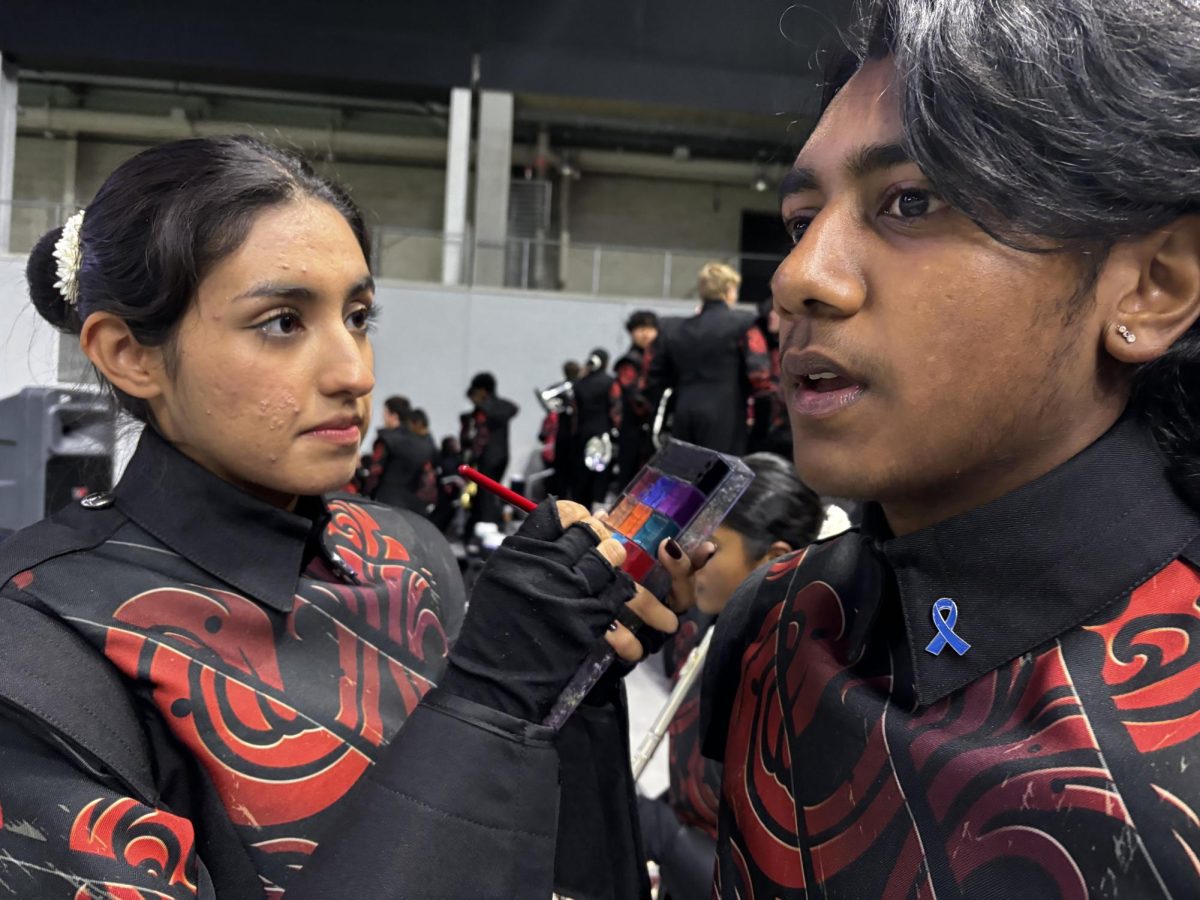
(912, 203)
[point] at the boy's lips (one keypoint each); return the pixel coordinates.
(817, 385)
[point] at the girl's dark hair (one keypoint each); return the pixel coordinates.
(161, 221)
(1075, 122)
(777, 506)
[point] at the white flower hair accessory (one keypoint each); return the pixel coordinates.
(69, 254)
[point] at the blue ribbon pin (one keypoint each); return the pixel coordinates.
(945, 617)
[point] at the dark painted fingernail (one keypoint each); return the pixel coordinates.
(612, 626)
(673, 549)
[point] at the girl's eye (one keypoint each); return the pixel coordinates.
(281, 324)
(912, 203)
(363, 318)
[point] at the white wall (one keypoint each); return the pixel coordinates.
(431, 340)
(28, 346)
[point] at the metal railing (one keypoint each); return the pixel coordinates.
(414, 254)
(550, 265)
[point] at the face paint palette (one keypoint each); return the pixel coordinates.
(684, 493)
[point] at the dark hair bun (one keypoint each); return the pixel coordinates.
(42, 272)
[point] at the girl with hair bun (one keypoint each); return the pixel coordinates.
(219, 681)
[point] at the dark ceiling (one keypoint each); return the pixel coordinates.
(753, 57)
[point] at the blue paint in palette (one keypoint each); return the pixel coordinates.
(657, 529)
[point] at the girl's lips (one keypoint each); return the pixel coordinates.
(348, 434)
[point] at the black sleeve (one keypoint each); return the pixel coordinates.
(599, 852)
(660, 373)
(463, 805)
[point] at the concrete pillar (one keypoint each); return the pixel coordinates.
(70, 175)
(8, 147)
(458, 175)
(493, 176)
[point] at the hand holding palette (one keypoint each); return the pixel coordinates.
(684, 493)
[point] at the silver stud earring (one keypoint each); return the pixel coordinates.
(1124, 332)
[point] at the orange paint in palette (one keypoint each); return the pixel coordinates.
(683, 493)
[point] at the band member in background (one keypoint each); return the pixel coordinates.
(485, 441)
(714, 362)
(634, 441)
(403, 465)
(594, 418)
(395, 411)
(556, 434)
(770, 431)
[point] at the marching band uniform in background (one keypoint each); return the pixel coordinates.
(594, 416)
(714, 362)
(485, 442)
(635, 444)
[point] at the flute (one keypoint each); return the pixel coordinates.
(687, 677)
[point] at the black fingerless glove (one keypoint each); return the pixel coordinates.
(543, 600)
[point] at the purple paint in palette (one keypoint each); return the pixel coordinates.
(683, 493)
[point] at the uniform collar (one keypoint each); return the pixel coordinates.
(253, 546)
(1039, 561)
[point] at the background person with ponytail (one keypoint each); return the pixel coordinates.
(777, 514)
(216, 681)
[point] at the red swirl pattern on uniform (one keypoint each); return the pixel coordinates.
(812, 626)
(1022, 723)
(353, 527)
(156, 842)
(1015, 742)
(287, 713)
(756, 787)
(112, 891)
(256, 746)
(1152, 662)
